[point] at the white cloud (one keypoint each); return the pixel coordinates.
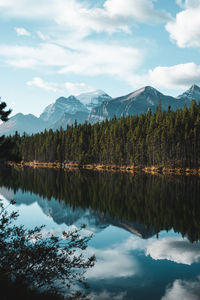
(86, 58)
(175, 249)
(184, 29)
(77, 88)
(115, 15)
(182, 289)
(64, 49)
(110, 59)
(49, 86)
(70, 88)
(42, 36)
(28, 9)
(175, 77)
(22, 31)
(44, 54)
(139, 10)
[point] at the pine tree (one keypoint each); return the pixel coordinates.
(5, 145)
(3, 113)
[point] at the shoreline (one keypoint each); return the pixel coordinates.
(154, 170)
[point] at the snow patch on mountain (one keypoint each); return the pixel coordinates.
(93, 99)
(192, 94)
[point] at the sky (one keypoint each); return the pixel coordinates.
(53, 48)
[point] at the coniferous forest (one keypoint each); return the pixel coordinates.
(165, 138)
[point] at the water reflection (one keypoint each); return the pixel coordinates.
(183, 289)
(63, 213)
(136, 220)
(124, 200)
(174, 249)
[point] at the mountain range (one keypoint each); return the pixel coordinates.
(94, 107)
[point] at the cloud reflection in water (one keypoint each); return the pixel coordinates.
(184, 290)
(175, 249)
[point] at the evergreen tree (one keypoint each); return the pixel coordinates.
(5, 144)
(4, 113)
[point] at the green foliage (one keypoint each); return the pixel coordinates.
(41, 262)
(164, 138)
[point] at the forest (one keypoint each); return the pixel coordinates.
(164, 138)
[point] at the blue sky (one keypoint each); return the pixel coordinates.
(52, 48)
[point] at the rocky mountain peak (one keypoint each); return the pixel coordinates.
(193, 93)
(55, 111)
(146, 91)
(195, 87)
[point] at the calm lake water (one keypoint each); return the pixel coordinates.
(146, 228)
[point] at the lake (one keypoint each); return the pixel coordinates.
(146, 229)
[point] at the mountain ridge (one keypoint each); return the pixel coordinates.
(96, 106)
(140, 101)
(20, 123)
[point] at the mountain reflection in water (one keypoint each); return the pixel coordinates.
(142, 204)
(146, 228)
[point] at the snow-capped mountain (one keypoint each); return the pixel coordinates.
(54, 112)
(93, 99)
(64, 111)
(192, 94)
(22, 123)
(134, 103)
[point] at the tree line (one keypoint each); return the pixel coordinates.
(165, 138)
